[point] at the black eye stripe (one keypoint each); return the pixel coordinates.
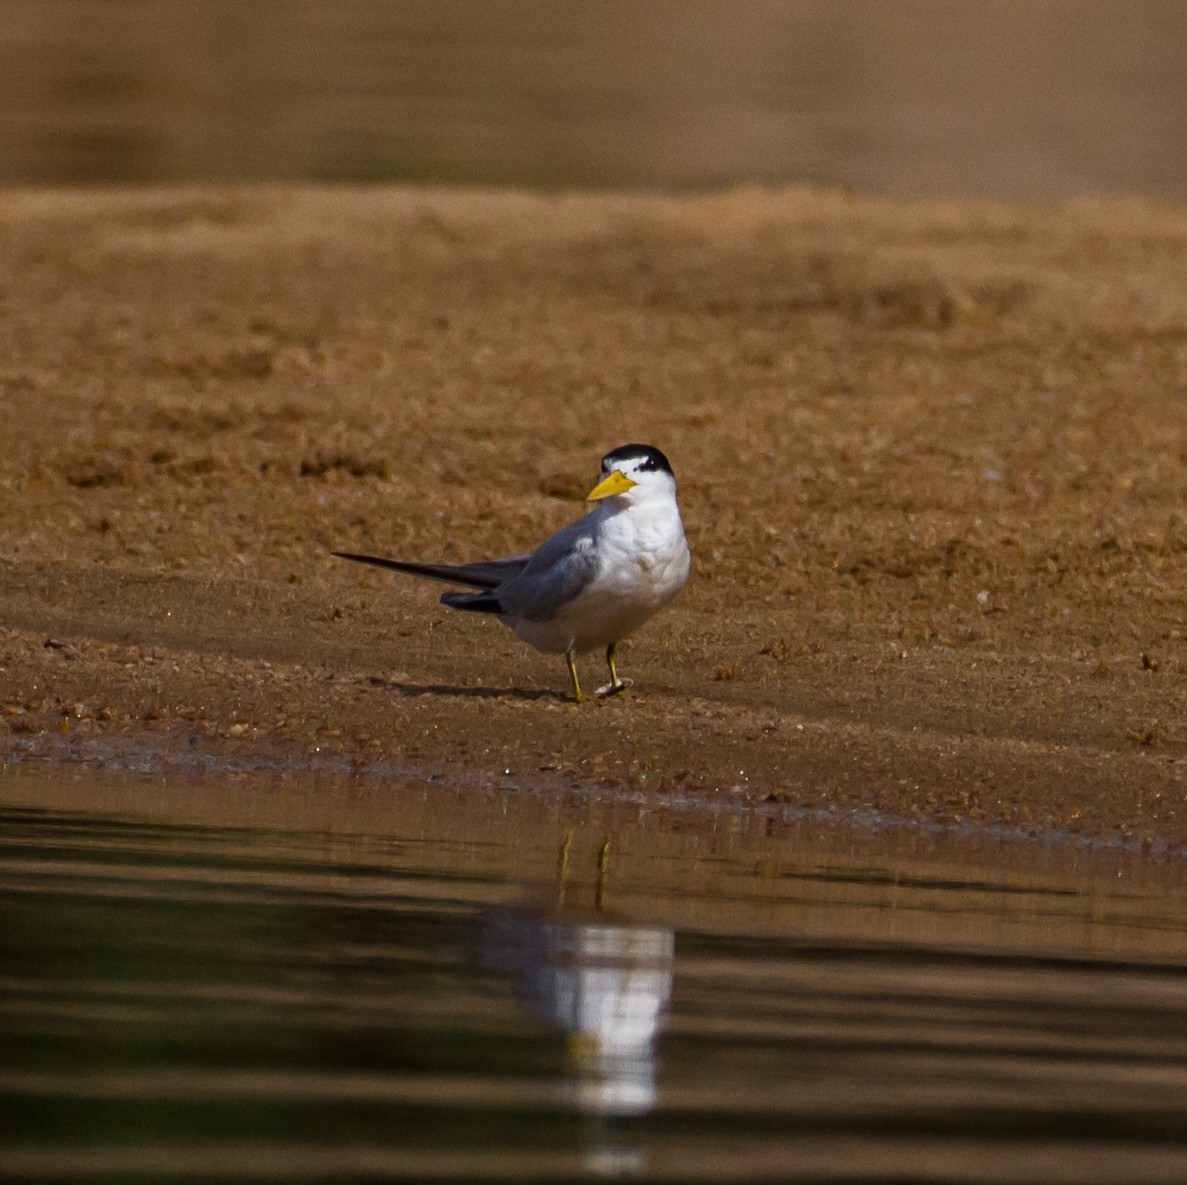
(641, 457)
(649, 465)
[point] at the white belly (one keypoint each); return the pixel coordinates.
(637, 576)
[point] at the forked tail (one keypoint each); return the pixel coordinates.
(487, 574)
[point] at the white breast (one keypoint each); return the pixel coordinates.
(643, 562)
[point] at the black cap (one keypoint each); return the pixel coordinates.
(652, 459)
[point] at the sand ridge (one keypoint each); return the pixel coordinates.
(931, 458)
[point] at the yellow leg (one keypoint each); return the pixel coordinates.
(617, 686)
(578, 695)
(603, 869)
(562, 868)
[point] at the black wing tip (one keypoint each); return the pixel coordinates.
(484, 602)
(652, 458)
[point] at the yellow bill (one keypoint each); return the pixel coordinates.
(615, 483)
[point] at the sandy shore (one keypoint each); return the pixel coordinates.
(932, 459)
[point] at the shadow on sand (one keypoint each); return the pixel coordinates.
(444, 689)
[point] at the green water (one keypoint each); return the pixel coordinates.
(240, 979)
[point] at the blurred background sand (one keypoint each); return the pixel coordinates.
(1034, 99)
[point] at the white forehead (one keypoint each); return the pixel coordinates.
(633, 463)
(642, 463)
(630, 466)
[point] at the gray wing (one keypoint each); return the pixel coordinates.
(487, 574)
(558, 570)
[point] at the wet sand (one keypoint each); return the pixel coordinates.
(931, 455)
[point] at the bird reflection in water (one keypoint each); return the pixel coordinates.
(605, 982)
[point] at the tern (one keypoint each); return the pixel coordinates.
(591, 584)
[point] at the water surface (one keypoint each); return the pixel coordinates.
(327, 979)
